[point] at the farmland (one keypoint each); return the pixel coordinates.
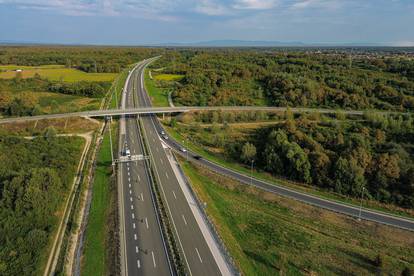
(53, 73)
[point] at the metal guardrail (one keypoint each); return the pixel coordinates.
(230, 262)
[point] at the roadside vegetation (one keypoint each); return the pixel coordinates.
(336, 157)
(159, 86)
(35, 178)
(271, 235)
(95, 258)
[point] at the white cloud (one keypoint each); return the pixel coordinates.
(255, 4)
(304, 4)
(209, 7)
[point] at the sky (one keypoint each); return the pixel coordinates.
(143, 22)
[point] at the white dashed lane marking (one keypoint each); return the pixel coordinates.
(198, 253)
(174, 195)
(184, 220)
(133, 216)
(146, 222)
(153, 258)
(138, 263)
(135, 236)
(136, 249)
(166, 174)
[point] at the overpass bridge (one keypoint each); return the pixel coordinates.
(180, 109)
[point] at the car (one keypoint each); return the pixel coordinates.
(162, 132)
(127, 152)
(183, 149)
(165, 137)
(197, 157)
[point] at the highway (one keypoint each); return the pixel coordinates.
(197, 256)
(143, 251)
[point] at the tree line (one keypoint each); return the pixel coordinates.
(35, 176)
(88, 59)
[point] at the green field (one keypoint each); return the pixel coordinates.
(158, 95)
(94, 257)
(167, 77)
(118, 85)
(54, 73)
(270, 235)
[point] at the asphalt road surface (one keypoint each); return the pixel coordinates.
(197, 255)
(144, 248)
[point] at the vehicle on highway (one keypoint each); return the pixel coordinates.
(197, 157)
(162, 132)
(165, 137)
(183, 149)
(127, 152)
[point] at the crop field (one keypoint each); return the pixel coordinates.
(269, 235)
(158, 95)
(54, 73)
(167, 77)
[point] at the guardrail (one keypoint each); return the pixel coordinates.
(230, 262)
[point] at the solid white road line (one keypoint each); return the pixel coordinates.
(184, 220)
(153, 258)
(138, 263)
(198, 253)
(146, 222)
(174, 195)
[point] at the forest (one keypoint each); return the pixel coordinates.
(373, 155)
(306, 79)
(88, 59)
(35, 176)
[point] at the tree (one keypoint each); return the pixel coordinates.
(248, 152)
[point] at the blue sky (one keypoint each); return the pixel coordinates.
(161, 21)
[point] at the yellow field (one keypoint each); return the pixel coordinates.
(168, 77)
(55, 73)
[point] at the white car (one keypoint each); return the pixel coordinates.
(165, 137)
(162, 132)
(183, 150)
(127, 152)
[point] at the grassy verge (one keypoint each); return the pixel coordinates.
(159, 96)
(94, 260)
(202, 151)
(269, 235)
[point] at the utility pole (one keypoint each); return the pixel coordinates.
(110, 142)
(360, 205)
(251, 173)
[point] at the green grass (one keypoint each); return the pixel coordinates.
(167, 77)
(94, 259)
(231, 164)
(159, 96)
(57, 73)
(270, 235)
(118, 86)
(24, 67)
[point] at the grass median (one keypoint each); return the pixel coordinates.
(94, 260)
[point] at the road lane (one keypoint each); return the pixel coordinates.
(145, 250)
